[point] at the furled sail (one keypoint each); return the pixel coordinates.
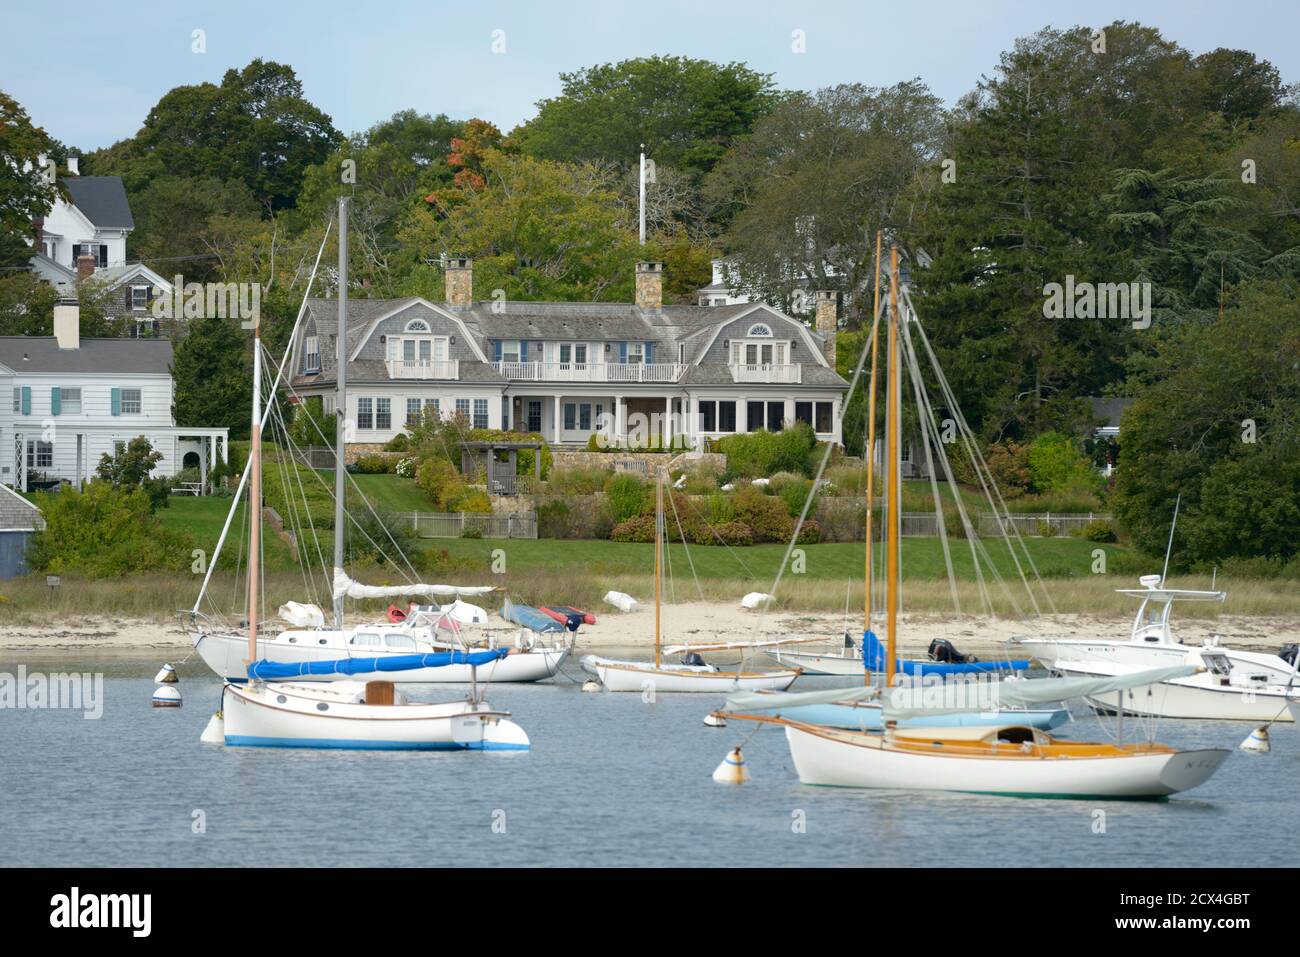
(345, 587)
(750, 701)
(272, 670)
(902, 702)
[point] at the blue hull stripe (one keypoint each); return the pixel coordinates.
(242, 740)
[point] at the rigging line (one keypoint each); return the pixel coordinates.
(288, 349)
(985, 477)
(291, 499)
(413, 577)
(926, 421)
(691, 561)
(816, 486)
(277, 429)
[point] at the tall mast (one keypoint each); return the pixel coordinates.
(659, 517)
(895, 398)
(871, 449)
(341, 406)
(255, 498)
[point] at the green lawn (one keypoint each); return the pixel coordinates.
(922, 558)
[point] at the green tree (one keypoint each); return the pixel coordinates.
(132, 468)
(26, 193)
(687, 112)
(213, 378)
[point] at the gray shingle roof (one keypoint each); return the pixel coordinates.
(101, 199)
(42, 354)
(18, 513)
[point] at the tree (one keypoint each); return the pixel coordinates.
(815, 180)
(132, 468)
(174, 222)
(1218, 422)
(213, 378)
(26, 190)
(256, 127)
(688, 113)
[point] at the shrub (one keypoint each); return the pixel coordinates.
(578, 481)
(1008, 462)
(1058, 466)
(311, 427)
(405, 467)
(131, 468)
(398, 443)
(105, 532)
(376, 464)
(1098, 530)
(628, 496)
(553, 519)
(441, 482)
(380, 537)
(847, 481)
(759, 454)
(810, 533)
(471, 531)
(474, 500)
(1045, 529)
(794, 495)
(734, 533)
(766, 515)
(638, 528)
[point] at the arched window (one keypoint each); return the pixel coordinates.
(417, 325)
(759, 329)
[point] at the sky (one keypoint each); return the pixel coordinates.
(89, 72)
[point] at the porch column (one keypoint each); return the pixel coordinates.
(206, 444)
(620, 417)
(555, 417)
(788, 414)
(742, 414)
(668, 422)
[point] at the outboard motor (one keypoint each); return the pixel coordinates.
(848, 642)
(941, 649)
(693, 658)
(1289, 652)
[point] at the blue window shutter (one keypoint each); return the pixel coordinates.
(649, 353)
(117, 401)
(496, 350)
(27, 400)
(54, 400)
(622, 353)
(523, 351)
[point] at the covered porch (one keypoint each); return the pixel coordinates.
(570, 419)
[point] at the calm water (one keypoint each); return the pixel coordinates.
(610, 781)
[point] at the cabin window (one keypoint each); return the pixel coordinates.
(399, 641)
(365, 640)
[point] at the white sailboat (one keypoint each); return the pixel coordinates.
(222, 645)
(273, 710)
(1010, 759)
(1234, 685)
(690, 675)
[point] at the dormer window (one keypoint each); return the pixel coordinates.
(311, 354)
(759, 330)
(139, 297)
(417, 325)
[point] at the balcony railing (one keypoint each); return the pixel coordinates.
(424, 368)
(590, 371)
(767, 373)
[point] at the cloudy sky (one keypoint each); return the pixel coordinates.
(89, 72)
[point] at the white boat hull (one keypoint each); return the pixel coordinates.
(644, 676)
(834, 759)
(1198, 697)
(815, 663)
(276, 716)
(226, 654)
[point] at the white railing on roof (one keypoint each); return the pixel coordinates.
(590, 371)
(767, 373)
(424, 368)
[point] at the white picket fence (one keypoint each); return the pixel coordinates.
(453, 524)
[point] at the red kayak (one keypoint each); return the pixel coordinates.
(565, 613)
(396, 614)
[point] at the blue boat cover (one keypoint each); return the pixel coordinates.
(270, 670)
(873, 658)
(529, 617)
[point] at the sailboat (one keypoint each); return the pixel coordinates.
(222, 645)
(690, 674)
(271, 709)
(1010, 758)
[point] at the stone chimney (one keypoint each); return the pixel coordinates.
(649, 285)
(827, 323)
(67, 323)
(85, 266)
(460, 281)
(74, 164)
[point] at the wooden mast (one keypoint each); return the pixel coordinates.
(659, 517)
(255, 498)
(895, 396)
(871, 452)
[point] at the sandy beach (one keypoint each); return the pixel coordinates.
(704, 622)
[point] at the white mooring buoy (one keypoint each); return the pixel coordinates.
(1258, 741)
(167, 676)
(714, 720)
(167, 696)
(590, 685)
(732, 770)
(215, 732)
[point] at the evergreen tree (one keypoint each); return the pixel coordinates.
(213, 377)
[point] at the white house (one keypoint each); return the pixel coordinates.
(74, 399)
(86, 239)
(571, 370)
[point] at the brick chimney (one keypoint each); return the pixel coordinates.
(85, 266)
(67, 323)
(649, 285)
(460, 281)
(827, 323)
